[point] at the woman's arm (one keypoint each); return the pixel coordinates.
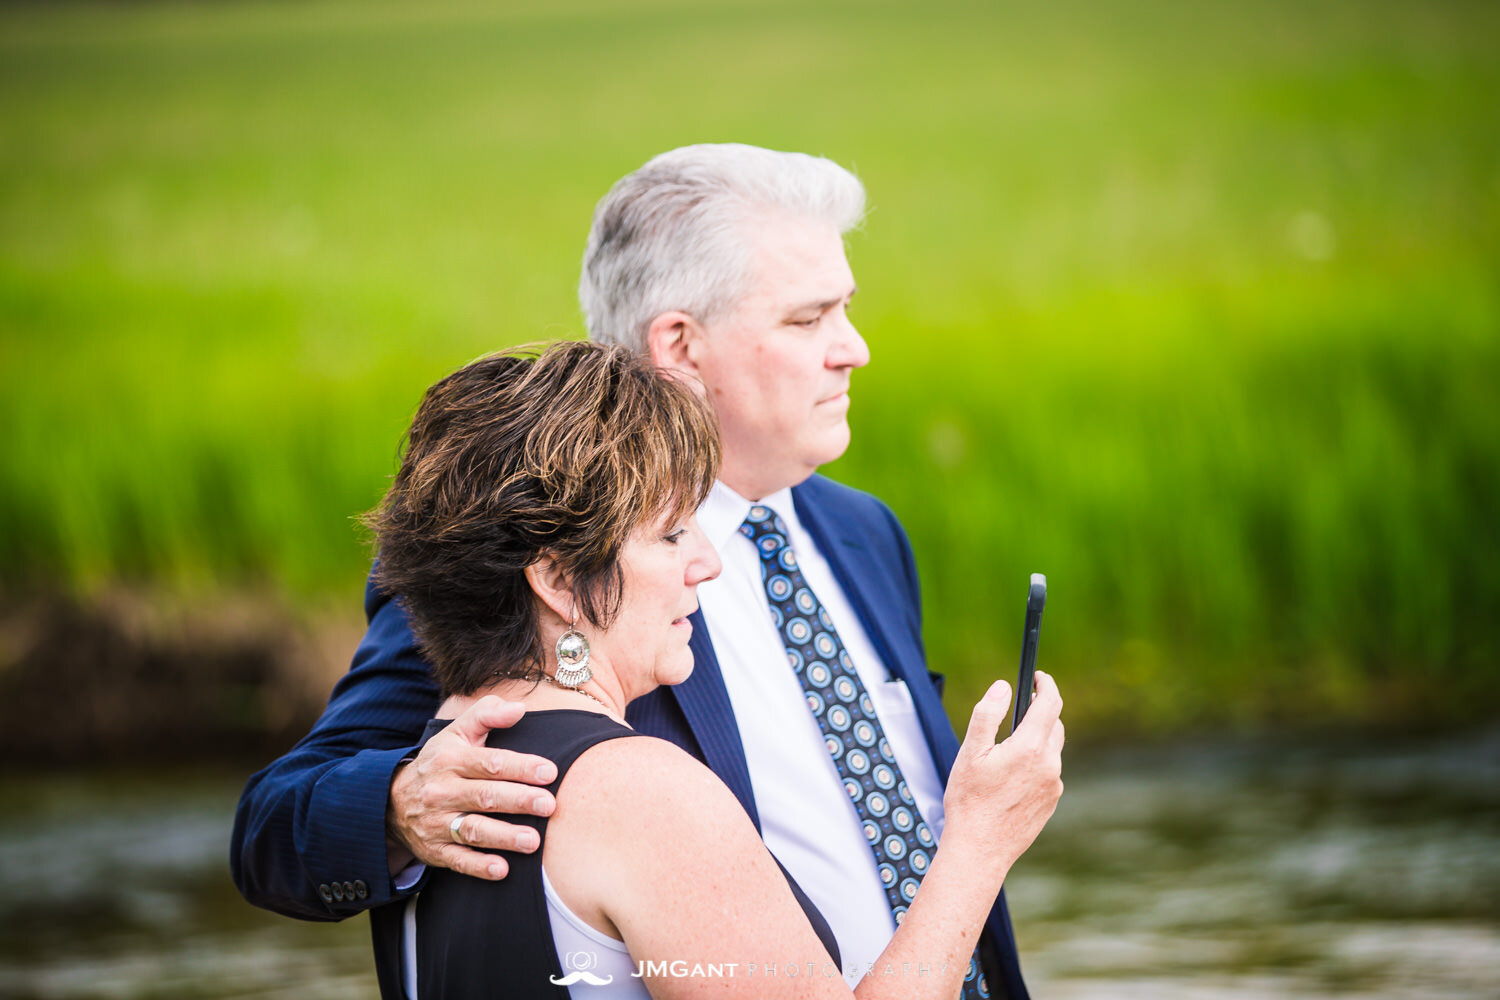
(649, 846)
(999, 797)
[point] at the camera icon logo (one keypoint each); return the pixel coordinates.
(580, 963)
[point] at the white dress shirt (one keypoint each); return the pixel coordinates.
(806, 817)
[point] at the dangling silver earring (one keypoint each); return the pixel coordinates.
(572, 658)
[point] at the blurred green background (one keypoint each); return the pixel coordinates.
(1193, 306)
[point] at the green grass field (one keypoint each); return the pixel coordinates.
(1194, 307)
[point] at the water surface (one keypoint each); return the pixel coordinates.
(1224, 871)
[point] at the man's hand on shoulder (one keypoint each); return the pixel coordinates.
(454, 779)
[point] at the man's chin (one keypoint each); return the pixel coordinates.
(799, 459)
(831, 445)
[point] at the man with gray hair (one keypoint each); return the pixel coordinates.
(810, 696)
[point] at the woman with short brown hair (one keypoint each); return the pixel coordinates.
(541, 535)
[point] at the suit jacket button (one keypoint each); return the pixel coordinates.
(325, 892)
(338, 892)
(360, 889)
(349, 891)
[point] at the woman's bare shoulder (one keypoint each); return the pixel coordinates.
(667, 860)
(645, 774)
(636, 818)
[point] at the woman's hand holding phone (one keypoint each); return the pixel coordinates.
(1000, 795)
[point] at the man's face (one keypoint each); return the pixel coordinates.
(777, 366)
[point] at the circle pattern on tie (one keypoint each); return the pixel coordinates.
(898, 836)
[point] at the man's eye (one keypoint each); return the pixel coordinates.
(807, 324)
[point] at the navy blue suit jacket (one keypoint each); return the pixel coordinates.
(316, 817)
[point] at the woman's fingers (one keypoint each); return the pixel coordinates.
(988, 714)
(1045, 708)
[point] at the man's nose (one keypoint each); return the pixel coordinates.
(849, 349)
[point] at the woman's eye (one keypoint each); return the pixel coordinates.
(674, 536)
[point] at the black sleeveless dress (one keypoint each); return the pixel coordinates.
(479, 939)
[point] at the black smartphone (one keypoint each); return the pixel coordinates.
(1035, 601)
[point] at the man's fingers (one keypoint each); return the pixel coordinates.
(489, 712)
(485, 831)
(454, 845)
(489, 764)
(984, 722)
(498, 797)
(476, 864)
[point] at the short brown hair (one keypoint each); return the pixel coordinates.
(562, 452)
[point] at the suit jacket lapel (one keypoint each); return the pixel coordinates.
(705, 703)
(857, 573)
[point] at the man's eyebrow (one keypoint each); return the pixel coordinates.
(825, 304)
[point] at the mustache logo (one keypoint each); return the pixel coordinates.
(580, 962)
(580, 976)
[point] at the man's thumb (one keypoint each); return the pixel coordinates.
(489, 712)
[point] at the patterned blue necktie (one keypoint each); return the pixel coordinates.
(893, 826)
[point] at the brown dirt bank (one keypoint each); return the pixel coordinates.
(125, 676)
(131, 676)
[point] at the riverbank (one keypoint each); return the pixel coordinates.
(141, 676)
(133, 676)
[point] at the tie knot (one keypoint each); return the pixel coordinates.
(767, 530)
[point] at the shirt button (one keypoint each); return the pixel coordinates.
(360, 889)
(325, 892)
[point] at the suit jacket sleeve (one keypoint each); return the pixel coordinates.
(316, 816)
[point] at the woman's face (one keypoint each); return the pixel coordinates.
(662, 565)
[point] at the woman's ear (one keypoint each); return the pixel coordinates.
(552, 587)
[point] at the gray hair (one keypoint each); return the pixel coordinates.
(673, 235)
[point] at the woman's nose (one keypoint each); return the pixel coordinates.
(705, 564)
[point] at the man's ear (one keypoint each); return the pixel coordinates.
(669, 339)
(551, 586)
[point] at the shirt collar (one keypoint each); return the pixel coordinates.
(724, 511)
